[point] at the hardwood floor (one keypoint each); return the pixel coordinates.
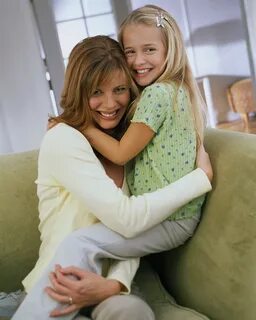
(239, 125)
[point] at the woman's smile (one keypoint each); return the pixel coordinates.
(110, 115)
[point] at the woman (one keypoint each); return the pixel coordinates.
(74, 190)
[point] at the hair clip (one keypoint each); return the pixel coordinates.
(160, 20)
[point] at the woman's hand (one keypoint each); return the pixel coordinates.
(77, 288)
(203, 162)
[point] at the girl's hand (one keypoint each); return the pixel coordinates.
(83, 288)
(203, 162)
(51, 123)
(89, 129)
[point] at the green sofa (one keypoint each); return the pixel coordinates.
(214, 273)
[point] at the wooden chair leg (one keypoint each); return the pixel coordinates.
(245, 119)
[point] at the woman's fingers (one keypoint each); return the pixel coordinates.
(66, 281)
(57, 296)
(64, 311)
(64, 299)
(75, 271)
(61, 289)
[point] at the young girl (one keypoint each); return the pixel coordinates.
(167, 124)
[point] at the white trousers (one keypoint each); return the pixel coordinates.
(86, 247)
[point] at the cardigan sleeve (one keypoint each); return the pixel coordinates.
(75, 167)
(124, 272)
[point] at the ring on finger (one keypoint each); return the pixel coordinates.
(70, 300)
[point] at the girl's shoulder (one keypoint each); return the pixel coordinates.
(156, 90)
(156, 86)
(176, 90)
(155, 94)
(163, 87)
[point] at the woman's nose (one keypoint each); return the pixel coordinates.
(110, 101)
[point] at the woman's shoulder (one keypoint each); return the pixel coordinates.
(61, 127)
(62, 130)
(64, 136)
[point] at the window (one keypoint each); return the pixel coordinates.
(78, 19)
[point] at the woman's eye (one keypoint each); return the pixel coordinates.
(96, 93)
(121, 89)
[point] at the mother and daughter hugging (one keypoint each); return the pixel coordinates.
(122, 172)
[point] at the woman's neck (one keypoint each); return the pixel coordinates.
(114, 171)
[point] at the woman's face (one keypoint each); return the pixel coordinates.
(110, 100)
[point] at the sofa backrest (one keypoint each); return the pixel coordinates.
(19, 236)
(215, 272)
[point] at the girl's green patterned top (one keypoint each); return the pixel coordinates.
(171, 154)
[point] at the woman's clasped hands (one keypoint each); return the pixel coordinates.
(77, 288)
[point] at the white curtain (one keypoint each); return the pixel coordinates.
(24, 92)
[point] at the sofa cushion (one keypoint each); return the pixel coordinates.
(162, 303)
(215, 272)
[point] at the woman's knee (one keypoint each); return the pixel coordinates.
(70, 246)
(73, 239)
(123, 307)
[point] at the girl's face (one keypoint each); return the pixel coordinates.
(110, 100)
(145, 52)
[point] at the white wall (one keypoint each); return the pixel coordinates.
(5, 143)
(218, 37)
(24, 94)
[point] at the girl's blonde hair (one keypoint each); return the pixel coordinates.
(91, 63)
(177, 67)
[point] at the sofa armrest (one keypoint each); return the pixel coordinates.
(19, 240)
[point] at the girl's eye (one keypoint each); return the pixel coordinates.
(150, 50)
(129, 53)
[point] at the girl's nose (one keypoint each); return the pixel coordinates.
(139, 59)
